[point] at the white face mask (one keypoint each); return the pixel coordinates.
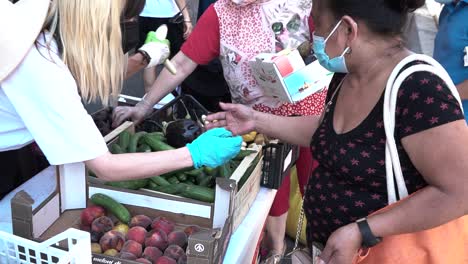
(444, 1)
(243, 2)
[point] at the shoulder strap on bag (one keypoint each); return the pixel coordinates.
(394, 175)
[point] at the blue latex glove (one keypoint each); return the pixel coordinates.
(214, 148)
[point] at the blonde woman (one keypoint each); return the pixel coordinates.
(56, 53)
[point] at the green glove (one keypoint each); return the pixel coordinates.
(214, 148)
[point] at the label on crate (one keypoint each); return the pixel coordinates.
(287, 160)
(107, 260)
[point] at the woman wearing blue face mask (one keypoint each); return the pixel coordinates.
(361, 41)
(451, 44)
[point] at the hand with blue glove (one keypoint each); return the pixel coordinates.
(214, 148)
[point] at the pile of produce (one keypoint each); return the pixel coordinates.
(114, 232)
(190, 183)
(103, 120)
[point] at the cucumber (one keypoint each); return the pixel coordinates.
(131, 184)
(157, 135)
(206, 181)
(195, 173)
(132, 146)
(210, 171)
(171, 189)
(156, 144)
(160, 181)
(116, 208)
(225, 171)
(144, 148)
(151, 185)
(199, 193)
(181, 177)
(116, 149)
(244, 153)
(173, 180)
(124, 140)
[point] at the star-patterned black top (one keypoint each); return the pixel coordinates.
(350, 181)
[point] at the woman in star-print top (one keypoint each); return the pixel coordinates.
(363, 38)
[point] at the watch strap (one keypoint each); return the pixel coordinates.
(368, 238)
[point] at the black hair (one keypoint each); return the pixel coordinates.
(133, 8)
(384, 17)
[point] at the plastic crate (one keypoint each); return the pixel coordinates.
(277, 160)
(15, 249)
(176, 109)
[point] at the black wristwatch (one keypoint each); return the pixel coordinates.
(146, 56)
(368, 238)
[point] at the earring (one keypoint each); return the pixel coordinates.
(349, 51)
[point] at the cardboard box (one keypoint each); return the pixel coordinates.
(52, 217)
(286, 77)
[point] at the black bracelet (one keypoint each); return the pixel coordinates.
(146, 56)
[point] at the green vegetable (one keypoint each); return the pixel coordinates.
(225, 171)
(206, 181)
(132, 146)
(181, 177)
(144, 148)
(200, 193)
(248, 172)
(244, 153)
(195, 173)
(157, 136)
(210, 171)
(151, 185)
(124, 140)
(116, 208)
(171, 189)
(116, 149)
(173, 180)
(156, 144)
(160, 181)
(131, 184)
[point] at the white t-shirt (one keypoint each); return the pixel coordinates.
(39, 102)
(159, 8)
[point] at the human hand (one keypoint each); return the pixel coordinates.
(237, 118)
(214, 148)
(157, 49)
(342, 246)
(188, 27)
(136, 113)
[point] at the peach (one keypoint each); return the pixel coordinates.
(143, 260)
(112, 240)
(166, 260)
(96, 248)
(90, 213)
(140, 220)
(174, 252)
(189, 230)
(164, 224)
(100, 226)
(111, 252)
(127, 255)
(133, 247)
(182, 259)
(137, 233)
(152, 253)
(177, 238)
(156, 238)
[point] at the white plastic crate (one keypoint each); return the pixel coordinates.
(15, 249)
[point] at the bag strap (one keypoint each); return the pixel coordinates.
(394, 174)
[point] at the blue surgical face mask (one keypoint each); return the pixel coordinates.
(444, 1)
(337, 64)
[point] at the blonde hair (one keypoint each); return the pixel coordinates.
(88, 34)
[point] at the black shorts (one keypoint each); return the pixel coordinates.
(175, 32)
(18, 166)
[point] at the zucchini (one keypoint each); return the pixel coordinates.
(171, 189)
(132, 146)
(116, 208)
(116, 149)
(144, 148)
(199, 193)
(124, 140)
(130, 184)
(160, 181)
(156, 144)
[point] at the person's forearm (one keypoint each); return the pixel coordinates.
(167, 82)
(135, 63)
(463, 90)
(132, 166)
(426, 209)
(296, 130)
